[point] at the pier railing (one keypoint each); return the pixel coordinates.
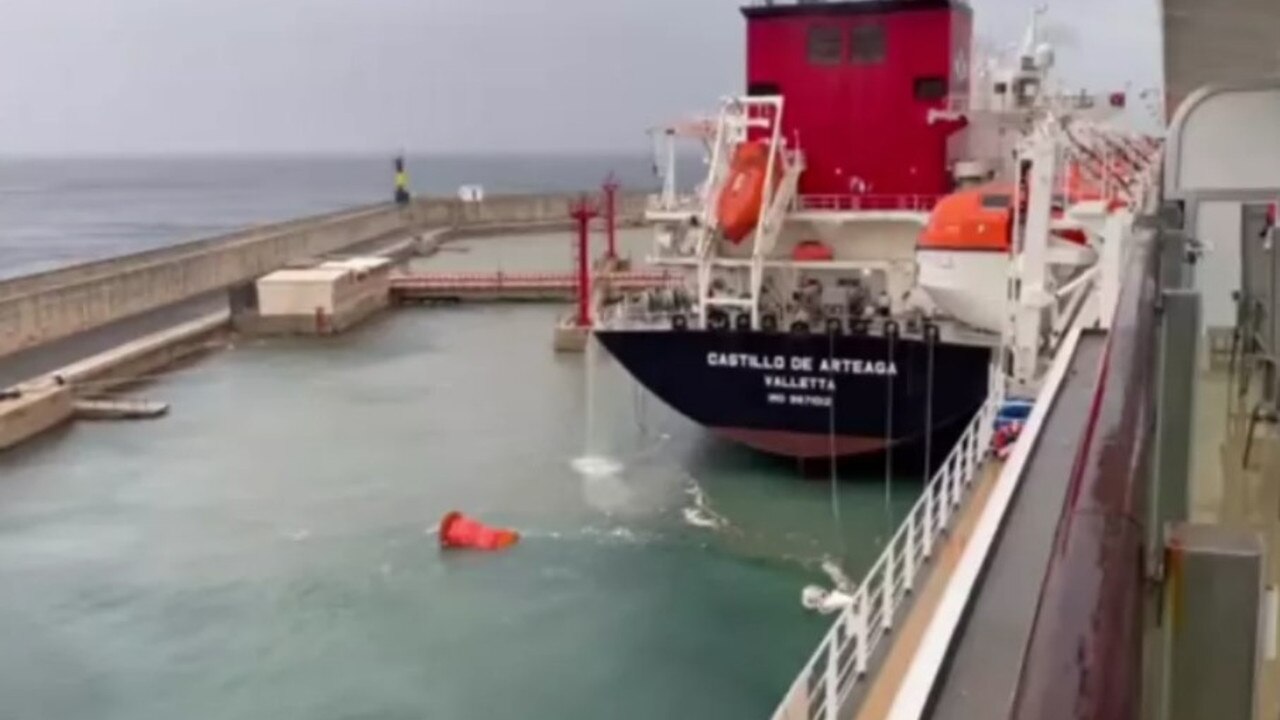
(844, 654)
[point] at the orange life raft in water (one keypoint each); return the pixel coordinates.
(739, 206)
(461, 532)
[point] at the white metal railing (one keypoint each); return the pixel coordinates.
(907, 203)
(688, 203)
(844, 653)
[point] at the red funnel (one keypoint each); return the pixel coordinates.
(459, 531)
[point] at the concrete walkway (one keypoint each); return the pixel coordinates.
(37, 361)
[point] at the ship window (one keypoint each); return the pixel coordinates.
(866, 44)
(931, 88)
(826, 46)
(996, 202)
(763, 89)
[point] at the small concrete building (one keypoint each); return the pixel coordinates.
(324, 299)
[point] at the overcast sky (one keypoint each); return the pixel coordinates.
(158, 76)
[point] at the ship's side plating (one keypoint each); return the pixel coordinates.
(808, 395)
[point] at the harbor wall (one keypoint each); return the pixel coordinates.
(144, 357)
(48, 401)
(41, 308)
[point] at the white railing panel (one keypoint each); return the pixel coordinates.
(842, 657)
(913, 693)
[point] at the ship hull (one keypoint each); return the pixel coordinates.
(806, 396)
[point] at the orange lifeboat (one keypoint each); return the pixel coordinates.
(982, 219)
(459, 531)
(976, 219)
(740, 201)
(963, 252)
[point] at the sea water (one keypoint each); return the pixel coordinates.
(269, 549)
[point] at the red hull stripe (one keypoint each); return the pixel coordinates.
(805, 446)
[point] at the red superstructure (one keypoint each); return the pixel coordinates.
(859, 80)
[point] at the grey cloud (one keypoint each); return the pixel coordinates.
(425, 75)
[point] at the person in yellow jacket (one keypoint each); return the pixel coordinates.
(402, 182)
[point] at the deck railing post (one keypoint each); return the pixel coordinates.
(944, 490)
(909, 555)
(858, 612)
(926, 535)
(957, 472)
(886, 581)
(830, 677)
(970, 458)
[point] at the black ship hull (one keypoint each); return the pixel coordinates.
(806, 396)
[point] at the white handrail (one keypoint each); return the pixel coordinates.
(922, 673)
(843, 655)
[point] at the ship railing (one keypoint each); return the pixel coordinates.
(855, 202)
(688, 203)
(626, 280)
(635, 316)
(843, 656)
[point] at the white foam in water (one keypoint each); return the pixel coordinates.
(700, 514)
(603, 486)
(624, 534)
(619, 535)
(699, 518)
(827, 602)
(596, 466)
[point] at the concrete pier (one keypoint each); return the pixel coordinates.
(81, 331)
(32, 412)
(42, 308)
(42, 403)
(142, 357)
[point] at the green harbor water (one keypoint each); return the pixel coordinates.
(268, 550)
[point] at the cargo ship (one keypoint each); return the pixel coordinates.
(844, 264)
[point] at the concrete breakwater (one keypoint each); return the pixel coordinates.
(48, 401)
(48, 306)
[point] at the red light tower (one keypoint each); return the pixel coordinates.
(610, 188)
(583, 211)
